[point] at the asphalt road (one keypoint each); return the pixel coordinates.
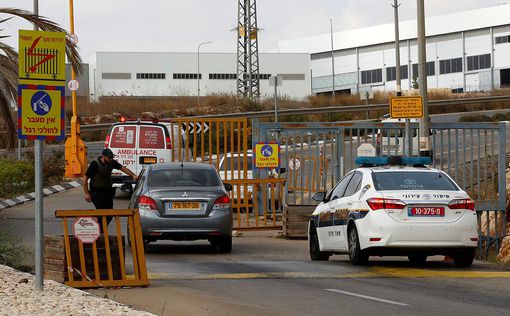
(273, 276)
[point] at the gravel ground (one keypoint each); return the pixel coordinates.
(19, 297)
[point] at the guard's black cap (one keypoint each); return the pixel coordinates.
(107, 152)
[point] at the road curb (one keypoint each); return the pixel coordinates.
(31, 196)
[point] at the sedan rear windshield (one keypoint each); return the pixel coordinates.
(183, 177)
(411, 180)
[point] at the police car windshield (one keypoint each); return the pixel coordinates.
(183, 177)
(412, 180)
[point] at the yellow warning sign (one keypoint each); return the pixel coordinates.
(406, 107)
(42, 57)
(267, 155)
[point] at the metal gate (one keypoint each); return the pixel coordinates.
(226, 144)
(317, 155)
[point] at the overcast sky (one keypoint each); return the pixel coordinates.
(179, 26)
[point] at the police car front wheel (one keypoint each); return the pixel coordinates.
(315, 253)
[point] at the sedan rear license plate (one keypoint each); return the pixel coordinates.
(184, 206)
(426, 211)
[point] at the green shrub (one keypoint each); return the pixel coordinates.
(12, 251)
(476, 118)
(499, 117)
(16, 177)
(53, 166)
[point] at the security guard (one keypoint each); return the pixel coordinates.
(100, 174)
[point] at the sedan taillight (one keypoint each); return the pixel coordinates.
(380, 203)
(462, 204)
(221, 203)
(146, 203)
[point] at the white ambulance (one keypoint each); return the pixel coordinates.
(136, 143)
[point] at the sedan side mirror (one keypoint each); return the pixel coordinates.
(227, 186)
(319, 196)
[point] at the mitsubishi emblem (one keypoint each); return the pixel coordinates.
(185, 194)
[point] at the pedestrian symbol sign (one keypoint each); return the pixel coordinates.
(267, 155)
(40, 114)
(41, 103)
(267, 150)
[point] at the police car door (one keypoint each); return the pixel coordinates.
(346, 204)
(329, 236)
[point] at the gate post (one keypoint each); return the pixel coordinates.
(502, 174)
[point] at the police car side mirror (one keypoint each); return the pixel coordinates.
(319, 196)
(227, 186)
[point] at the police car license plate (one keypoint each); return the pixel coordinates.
(426, 211)
(184, 206)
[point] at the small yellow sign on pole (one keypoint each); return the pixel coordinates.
(406, 107)
(267, 155)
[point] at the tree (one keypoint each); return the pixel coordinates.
(9, 65)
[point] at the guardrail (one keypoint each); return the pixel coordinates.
(318, 110)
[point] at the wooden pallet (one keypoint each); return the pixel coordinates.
(295, 220)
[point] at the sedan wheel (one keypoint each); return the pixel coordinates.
(356, 255)
(464, 258)
(315, 253)
(224, 243)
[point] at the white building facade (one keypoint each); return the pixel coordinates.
(466, 51)
(177, 74)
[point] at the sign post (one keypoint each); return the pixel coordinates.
(275, 81)
(41, 110)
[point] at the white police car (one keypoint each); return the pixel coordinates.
(394, 210)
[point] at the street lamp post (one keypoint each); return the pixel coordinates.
(198, 71)
(422, 74)
(332, 59)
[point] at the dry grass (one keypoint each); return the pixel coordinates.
(169, 107)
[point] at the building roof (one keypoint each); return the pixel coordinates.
(385, 33)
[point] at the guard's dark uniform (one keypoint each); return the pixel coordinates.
(100, 187)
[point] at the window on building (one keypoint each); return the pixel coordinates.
(186, 76)
(371, 76)
(448, 66)
(116, 75)
(431, 69)
(391, 73)
(223, 76)
(150, 75)
(264, 76)
(479, 62)
(503, 39)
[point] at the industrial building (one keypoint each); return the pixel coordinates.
(192, 74)
(466, 51)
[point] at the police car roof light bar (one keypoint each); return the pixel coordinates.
(393, 160)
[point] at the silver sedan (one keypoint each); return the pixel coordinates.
(184, 201)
